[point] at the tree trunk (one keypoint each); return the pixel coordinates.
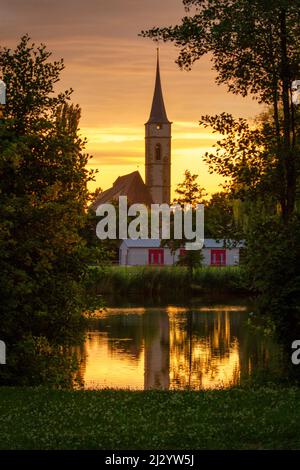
(287, 151)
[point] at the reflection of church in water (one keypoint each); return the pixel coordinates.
(157, 355)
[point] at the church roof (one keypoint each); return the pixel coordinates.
(158, 111)
(131, 185)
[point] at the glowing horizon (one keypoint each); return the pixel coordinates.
(115, 147)
(112, 71)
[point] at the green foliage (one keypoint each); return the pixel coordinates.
(191, 259)
(100, 252)
(154, 283)
(245, 156)
(35, 360)
(229, 279)
(220, 221)
(30, 79)
(189, 191)
(245, 39)
(255, 49)
(139, 280)
(273, 253)
(43, 195)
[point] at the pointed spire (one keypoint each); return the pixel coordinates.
(158, 111)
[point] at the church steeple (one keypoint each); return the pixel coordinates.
(158, 147)
(158, 111)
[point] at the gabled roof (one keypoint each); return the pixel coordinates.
(131, 185)
(158, 111)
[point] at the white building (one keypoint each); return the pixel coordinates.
(149, 252)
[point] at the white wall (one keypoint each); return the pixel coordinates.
(206, 256)
(232, 257)
(139, 256)
(122, 255)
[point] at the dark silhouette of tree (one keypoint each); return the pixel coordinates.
(255, 49)
(189, 191)
(43, 197)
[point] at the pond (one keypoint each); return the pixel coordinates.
(175, 347)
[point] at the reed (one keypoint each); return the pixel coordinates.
(164, 281)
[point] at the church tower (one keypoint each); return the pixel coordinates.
(158, 147)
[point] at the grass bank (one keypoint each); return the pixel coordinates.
(262, 418)
(165, 281)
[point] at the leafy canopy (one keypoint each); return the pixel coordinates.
(43, 199)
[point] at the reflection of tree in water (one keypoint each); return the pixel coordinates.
(212, 349)
(204, 350)
(261, 355)
(81, 357)
(126, 332)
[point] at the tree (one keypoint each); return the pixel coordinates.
(255, 49)
(273, 271)
(247, 158)
(220, 220)
(192, 259)
(43, 196)
(189, 191)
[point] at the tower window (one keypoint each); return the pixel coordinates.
(157, 152)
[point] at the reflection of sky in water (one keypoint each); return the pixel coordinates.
(106, 367)
(172, 347)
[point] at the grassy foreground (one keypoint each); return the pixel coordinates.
(262, 418)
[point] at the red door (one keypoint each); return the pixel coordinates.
(156, 256)
(218, 257)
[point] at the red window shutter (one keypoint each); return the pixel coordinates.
(218, 257)
(156, 257)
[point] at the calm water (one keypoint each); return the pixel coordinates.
(175, 348)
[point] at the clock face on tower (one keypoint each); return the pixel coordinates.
(159, 127)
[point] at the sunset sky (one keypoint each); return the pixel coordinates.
(112, 71)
